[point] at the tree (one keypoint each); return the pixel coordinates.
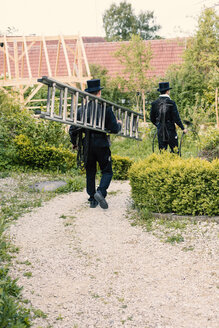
(120, 23)
(135, 57)
(196, 79)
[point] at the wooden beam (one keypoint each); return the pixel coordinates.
(57, 57)
(28, 48)
(47, 57)
(7, 57)
(33, 94)
(27, 57)
(66, 56)
(17, 50)
(22, 61)
(40, 58)
(38, 38)
(4, 65)
(27, 81)
(84, 56)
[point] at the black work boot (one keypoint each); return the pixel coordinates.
(101, 200)
(93, 203)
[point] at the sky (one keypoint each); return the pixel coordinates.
(178, 18)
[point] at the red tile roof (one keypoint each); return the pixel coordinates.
(89, 39)
(165, 52)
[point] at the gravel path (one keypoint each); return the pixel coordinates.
(92, 268)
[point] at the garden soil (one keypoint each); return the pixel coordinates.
(93, 268)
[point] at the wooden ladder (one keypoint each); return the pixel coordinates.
(63, 102)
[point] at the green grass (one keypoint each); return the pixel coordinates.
(138, 150)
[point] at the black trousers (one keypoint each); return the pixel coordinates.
(171, 141)
(102, 156)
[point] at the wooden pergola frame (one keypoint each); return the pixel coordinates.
(16, 60)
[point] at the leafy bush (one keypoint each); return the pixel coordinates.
(15, 121)
(43, 156)
(167, 183)
(120, 166)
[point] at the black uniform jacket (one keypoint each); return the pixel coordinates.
(171, 117)
(98, 139)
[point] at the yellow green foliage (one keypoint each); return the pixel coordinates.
(43, 156)
(120, 166)
(167, 183)
(49, 157)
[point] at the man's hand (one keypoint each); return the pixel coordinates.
(74, 147)
(185, 131)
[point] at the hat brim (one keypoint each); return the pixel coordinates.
(93, 89)
(164, 89)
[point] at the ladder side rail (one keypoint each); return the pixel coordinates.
(60, 120)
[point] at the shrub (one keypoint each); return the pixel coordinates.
(44, 156)
(120, 166)
(167, 183)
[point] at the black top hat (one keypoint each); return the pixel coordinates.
(163, 86)
(93, 85)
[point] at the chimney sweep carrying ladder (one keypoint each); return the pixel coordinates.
(70, 99)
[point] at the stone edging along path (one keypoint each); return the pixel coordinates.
(93, 268)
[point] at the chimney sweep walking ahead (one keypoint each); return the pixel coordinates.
(164, 115)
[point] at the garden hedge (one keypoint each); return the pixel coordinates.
(43, 156)
(120, 166)
(166, 183)
(48, 157)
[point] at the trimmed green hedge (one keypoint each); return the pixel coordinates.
(166, 183)
(120, 166)
(52, 158)
(43, 156)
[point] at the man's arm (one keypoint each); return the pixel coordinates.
(152, 114)
(176, 117)
(73, 133)
(112, 124)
